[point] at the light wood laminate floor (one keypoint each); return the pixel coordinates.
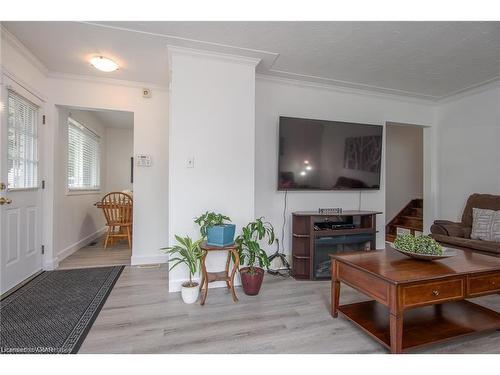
(96, 256)
(288, 316)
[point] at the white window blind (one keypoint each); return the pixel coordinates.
(22, 149)
(83, 157)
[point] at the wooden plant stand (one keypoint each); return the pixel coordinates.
(208, 277)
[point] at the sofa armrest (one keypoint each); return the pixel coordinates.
(449, 228)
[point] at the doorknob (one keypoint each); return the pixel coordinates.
(5, 201)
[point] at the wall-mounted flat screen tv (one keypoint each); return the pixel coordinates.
(328, 155)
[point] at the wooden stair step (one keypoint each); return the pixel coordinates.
(409, 217)
(390, 237)
(407, 227)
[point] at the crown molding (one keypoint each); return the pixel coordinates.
(175, 50)
(343, 89)
(471, 90)
(353, 85)
(109, 81)
(23, 84)
(13, 41)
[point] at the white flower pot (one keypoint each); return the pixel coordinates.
(190, 293)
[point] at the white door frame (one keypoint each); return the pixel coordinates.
(430, 183)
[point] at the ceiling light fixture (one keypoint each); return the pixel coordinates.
(103, 64)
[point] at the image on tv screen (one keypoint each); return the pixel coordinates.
(328, 155)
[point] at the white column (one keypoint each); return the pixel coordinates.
(212, 120)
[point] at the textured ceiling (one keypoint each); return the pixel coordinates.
(423, 59)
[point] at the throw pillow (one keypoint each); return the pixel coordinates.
(485, 225)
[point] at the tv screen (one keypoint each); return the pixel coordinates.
(328, 155)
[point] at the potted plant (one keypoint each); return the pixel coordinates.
(188, 252)
(215, 228)
(250, 252)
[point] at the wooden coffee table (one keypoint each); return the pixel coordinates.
(415, 302)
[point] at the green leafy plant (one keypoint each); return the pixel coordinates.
(419, 245)
(248, 244)
(188, 252)
(210, 219)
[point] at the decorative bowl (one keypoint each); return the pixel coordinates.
(447, 253)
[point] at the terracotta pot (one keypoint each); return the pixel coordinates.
(251, 282)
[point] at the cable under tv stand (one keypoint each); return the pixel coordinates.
(316, 235)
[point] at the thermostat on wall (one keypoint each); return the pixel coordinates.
(143, 160)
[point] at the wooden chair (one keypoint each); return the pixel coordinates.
(117, 208)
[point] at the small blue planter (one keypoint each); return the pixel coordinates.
(221, 235)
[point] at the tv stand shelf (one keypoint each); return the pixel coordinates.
(313, 239)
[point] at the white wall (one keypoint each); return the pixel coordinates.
(150, 137)
(80, 221)
(211, 119)
(404, 167)
(276, 98)
(469, 152)
(119, 150)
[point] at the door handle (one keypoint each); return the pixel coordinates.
(5, 201)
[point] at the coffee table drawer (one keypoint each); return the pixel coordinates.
(433, 292)
(484, 284)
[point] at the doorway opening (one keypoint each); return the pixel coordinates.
(404, 204)
(94, 194)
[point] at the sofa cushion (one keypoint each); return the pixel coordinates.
(486, 201)
(485, 225)
(488, 246)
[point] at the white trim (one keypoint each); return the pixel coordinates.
(138, 260)
(342, 89)
(169, 36)
(355, 85)
(12, 40)
(25, 88)
(71, 192)
(66, 252)
(174, 286)
(252, 61)
(50, 264)
(471, 90)
(110, 81)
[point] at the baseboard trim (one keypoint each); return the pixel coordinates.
(138, 260)
(66, 252)
(175, 285)
(50, 264)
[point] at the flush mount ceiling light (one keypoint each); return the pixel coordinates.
(103, 64)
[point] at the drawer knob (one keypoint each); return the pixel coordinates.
(435, 292)
(493, 283)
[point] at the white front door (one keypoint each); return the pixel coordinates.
(20, 195)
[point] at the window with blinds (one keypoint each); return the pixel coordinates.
(22, 148)
(83, 157)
